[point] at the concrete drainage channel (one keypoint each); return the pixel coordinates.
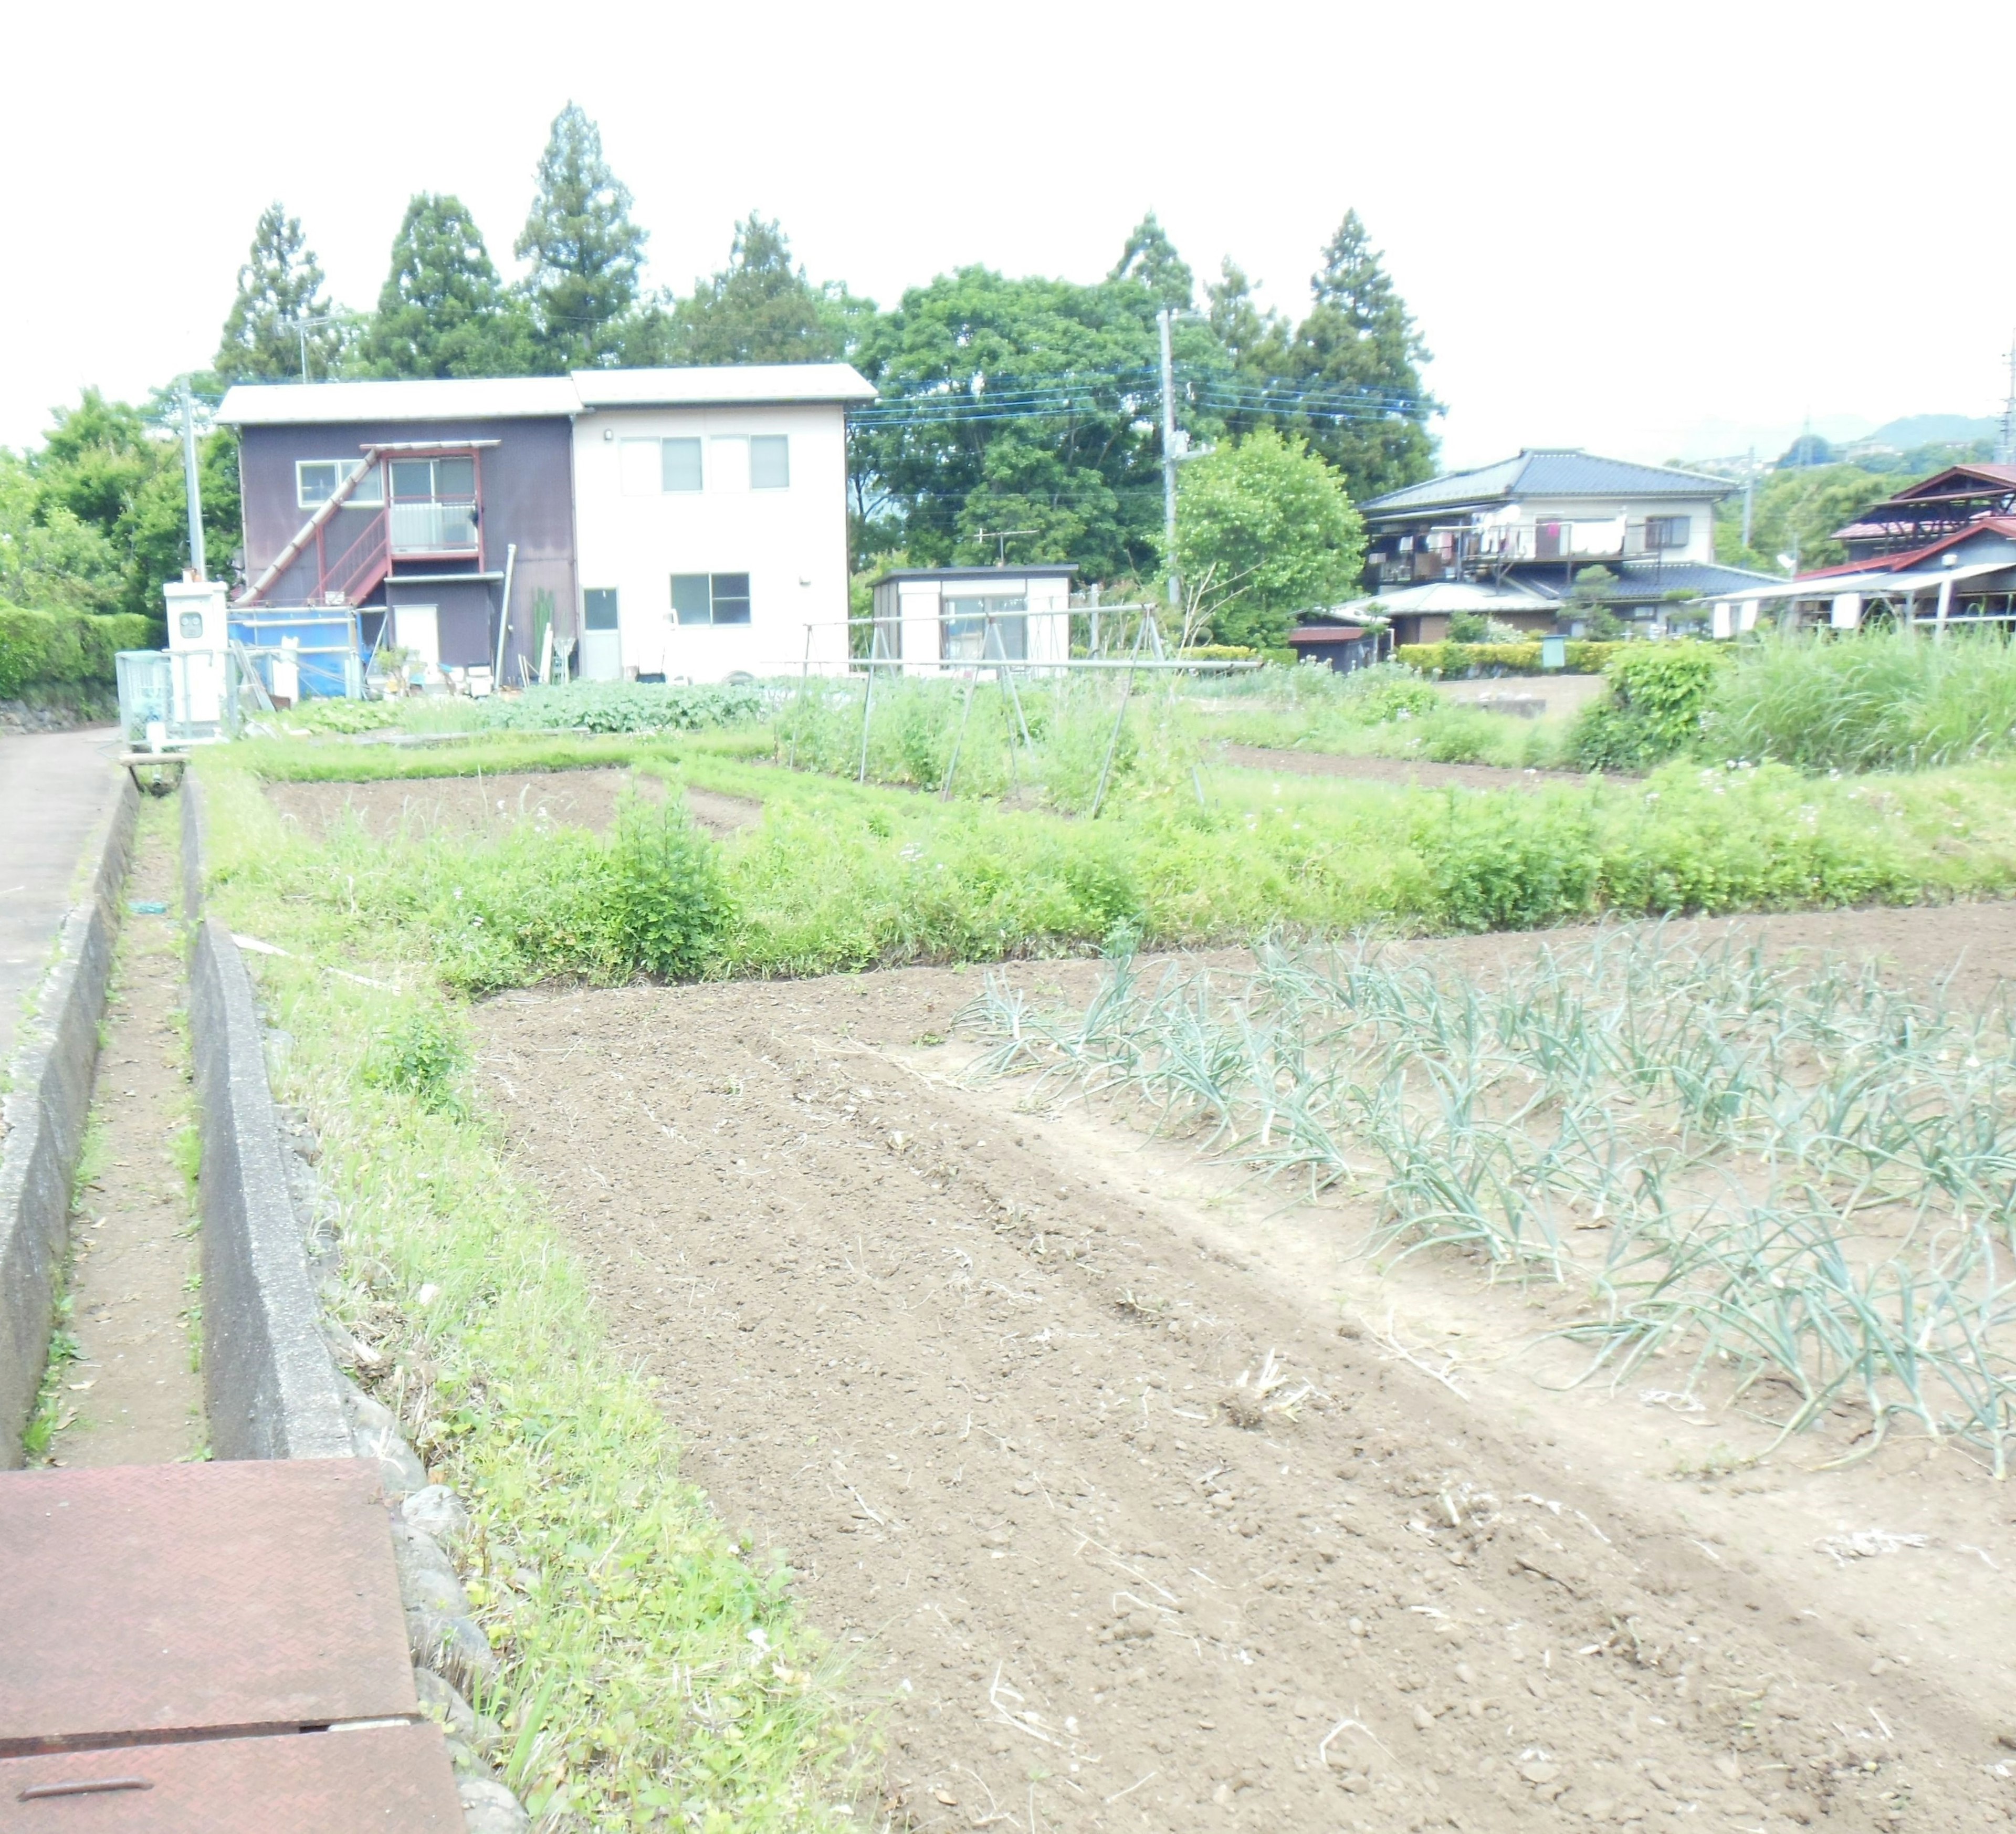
(257, 1634)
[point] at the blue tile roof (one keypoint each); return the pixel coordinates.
(1553, 471)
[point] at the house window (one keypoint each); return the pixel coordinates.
(637, 459)
(678, 465)
(1662, 532)
(434, 506)
(711, 598)
(769, 461)
(728, 461)
(316, 480)
(599, 608)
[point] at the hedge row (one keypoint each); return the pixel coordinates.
(1453, 661)
(40, 650)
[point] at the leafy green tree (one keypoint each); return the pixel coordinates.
(1264, 531)
(586, 254)
(761, 308)
(1794, 514)
(1150, 260)
(105, 472)
(1359, 340)
(51, 560)
(443, 311)
(1034, 405)
(278, 287)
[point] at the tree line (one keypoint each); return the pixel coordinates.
(1026, 405)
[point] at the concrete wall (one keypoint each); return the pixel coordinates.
(45, 1107)
(635, 536)
(269, 1387)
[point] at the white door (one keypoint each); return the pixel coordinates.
(601, 636)
(417, 628)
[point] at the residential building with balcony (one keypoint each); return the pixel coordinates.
(1516, 535)
(688, 523)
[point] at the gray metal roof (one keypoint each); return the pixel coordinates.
(1545, 471)
(1036, 570)
(724, 385)
(530, 398)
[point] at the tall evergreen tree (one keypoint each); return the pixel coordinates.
(443, 312)
(1150, 260)
(1249, 350)
(586, 253)
(761, 308)
(280, 285)
(1360, 341)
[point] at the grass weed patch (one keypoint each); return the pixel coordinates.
(1877, 700)
(653, 1674)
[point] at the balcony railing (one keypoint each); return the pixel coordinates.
(1450, 552)
(434, 527)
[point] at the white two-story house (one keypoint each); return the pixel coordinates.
(1510, 539)
(711, 519)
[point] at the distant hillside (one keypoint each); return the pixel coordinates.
(1917, 430)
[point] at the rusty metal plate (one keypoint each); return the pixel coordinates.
(382, 1779)
(145, 1601)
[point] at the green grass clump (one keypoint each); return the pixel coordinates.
(653, 1672)
(1879, 700)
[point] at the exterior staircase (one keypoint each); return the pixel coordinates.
(349, 578)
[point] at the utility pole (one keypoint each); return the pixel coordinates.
(1749, 494)
(1163, 319)
(2005, 450)
(191, 484)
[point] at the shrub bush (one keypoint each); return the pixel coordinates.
(1658, 693)
(671, 899)
(43, 650)
(1454, 661)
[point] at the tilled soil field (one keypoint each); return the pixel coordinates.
(989, 1378)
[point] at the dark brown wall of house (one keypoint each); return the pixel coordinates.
(528, 499)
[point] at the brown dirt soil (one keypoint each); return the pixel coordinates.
(976, 1368)
(133, 1395)
(1419, 772)
(464, 806)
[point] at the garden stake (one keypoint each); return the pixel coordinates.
(798, 712)
(1126, 690)
(867, 702)
(945, 791)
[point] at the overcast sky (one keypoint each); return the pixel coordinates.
(1644, 231)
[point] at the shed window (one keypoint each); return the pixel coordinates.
(711, 598)
(678, 465)
(316, 480)
(981, 630)
(769, 461)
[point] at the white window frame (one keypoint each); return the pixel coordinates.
(344, 468)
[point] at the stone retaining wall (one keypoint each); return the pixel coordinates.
(47, 1103)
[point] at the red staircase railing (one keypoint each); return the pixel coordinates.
(347, 579)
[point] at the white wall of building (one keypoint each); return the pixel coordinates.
(920, 606)
(634, 536)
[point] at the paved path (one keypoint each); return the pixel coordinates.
(54, 787)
